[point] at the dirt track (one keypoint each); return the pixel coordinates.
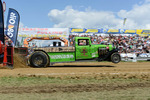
(82, 69)
(126, 70)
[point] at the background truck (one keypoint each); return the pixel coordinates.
(82, 50)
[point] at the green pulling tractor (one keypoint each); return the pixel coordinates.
(82, 50)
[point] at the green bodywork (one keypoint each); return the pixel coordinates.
(61, 56)
(82, 52)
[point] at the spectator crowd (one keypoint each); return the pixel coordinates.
(126, 44)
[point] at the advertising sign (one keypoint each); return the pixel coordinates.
(77, 30)
(113, 31)
(44, 32)
(144, 32)
(12, 25)
(92, 31)
(84, 30)
(130, 32)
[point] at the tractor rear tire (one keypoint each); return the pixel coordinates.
(39, 59)
(115, 57)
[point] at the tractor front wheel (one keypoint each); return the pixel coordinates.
(115, 58)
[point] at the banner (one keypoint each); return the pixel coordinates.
(43, 32)
(102, 30)
(142, 32)
(12, 25)
(113, 31)
(92, 30)
(84, 30)
(130, 32)
(121, 31)
(1, 23)
(77, 30)
(145, 32)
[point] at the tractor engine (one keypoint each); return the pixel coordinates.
(102, 51)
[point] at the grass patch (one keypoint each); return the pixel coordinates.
(130, 93)
(31, 81)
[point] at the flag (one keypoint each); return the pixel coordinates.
(12, 25)
(1, 23)
(124, 21)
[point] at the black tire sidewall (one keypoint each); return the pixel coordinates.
(43, 56)
(112, 57)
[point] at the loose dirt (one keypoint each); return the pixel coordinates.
(19, 62)
(84, 69)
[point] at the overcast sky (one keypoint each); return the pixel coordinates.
(82, 13)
